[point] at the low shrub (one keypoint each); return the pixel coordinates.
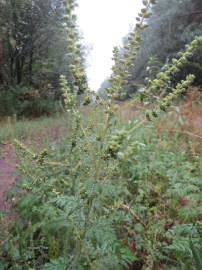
(106, 200)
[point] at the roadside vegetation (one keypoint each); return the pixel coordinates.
(120, 187)
(11, 128)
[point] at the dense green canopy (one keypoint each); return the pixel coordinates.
(39, 41)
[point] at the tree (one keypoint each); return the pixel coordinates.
(173, 24)
(39, 41)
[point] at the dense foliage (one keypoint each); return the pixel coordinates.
(39, 41)
(113, 194)
(172, 24)
(109, 197)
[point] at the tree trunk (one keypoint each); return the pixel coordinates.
(18, 70)
(1, 62)
(30, 66)
(11, 70)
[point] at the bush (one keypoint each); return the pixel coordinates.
(112, 196)
(27, 101)
(106, 200)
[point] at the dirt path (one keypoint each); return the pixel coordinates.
(7, 179)
(8, 162)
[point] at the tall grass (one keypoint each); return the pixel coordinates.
(46, 127)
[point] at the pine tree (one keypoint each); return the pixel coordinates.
(39, 41)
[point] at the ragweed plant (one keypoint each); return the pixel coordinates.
(157, 88)
(109, 197)
(68, 97)
(124, 61)
(115, 201)
(163, 78)
(79, 83)
(168, 100)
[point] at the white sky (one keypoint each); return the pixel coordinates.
(104, 23)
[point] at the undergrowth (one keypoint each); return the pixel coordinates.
(82, 206)
(113, 195)
(11, 128)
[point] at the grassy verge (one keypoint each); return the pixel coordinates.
(24, 129)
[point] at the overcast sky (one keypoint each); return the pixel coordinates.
(104, 23)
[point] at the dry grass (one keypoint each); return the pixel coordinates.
(183, 121)
(43, 128)
(130, 110)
